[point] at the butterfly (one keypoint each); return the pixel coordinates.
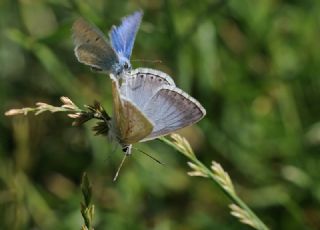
(148, 105)
(93, 49)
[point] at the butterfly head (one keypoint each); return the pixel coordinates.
(127, 149)
(123, 65)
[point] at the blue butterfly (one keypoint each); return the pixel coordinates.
(93, 49)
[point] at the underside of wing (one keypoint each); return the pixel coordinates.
(122, 37)
(95, 57)
(142, 84)
(131, 124)
(171, 109)
(91, 47)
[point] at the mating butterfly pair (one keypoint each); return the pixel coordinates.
(147, 104)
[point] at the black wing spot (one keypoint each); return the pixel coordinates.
(97, 38)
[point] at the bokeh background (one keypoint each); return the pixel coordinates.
(254, 65)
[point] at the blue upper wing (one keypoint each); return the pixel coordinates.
(122, 37)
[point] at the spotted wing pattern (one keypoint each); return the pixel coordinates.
(142, 83)
(166, 106)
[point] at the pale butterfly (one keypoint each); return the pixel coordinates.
(93, 49)
(148, 105)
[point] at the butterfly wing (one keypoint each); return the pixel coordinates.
(91, 47)
(157, 97)
(122, 37)
(131, 124)
(171, 109)
(142, 83)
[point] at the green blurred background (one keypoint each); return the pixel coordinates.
(254, 65)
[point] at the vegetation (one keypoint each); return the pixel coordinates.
(252, 65)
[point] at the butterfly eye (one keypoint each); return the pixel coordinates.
(126, 65)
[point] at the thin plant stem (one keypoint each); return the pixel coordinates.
(206, 172)
(87, 208)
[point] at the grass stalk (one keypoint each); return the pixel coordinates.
(219, 177)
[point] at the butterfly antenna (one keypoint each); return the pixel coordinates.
(145, 60)
(120, 166)
(153, 158)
